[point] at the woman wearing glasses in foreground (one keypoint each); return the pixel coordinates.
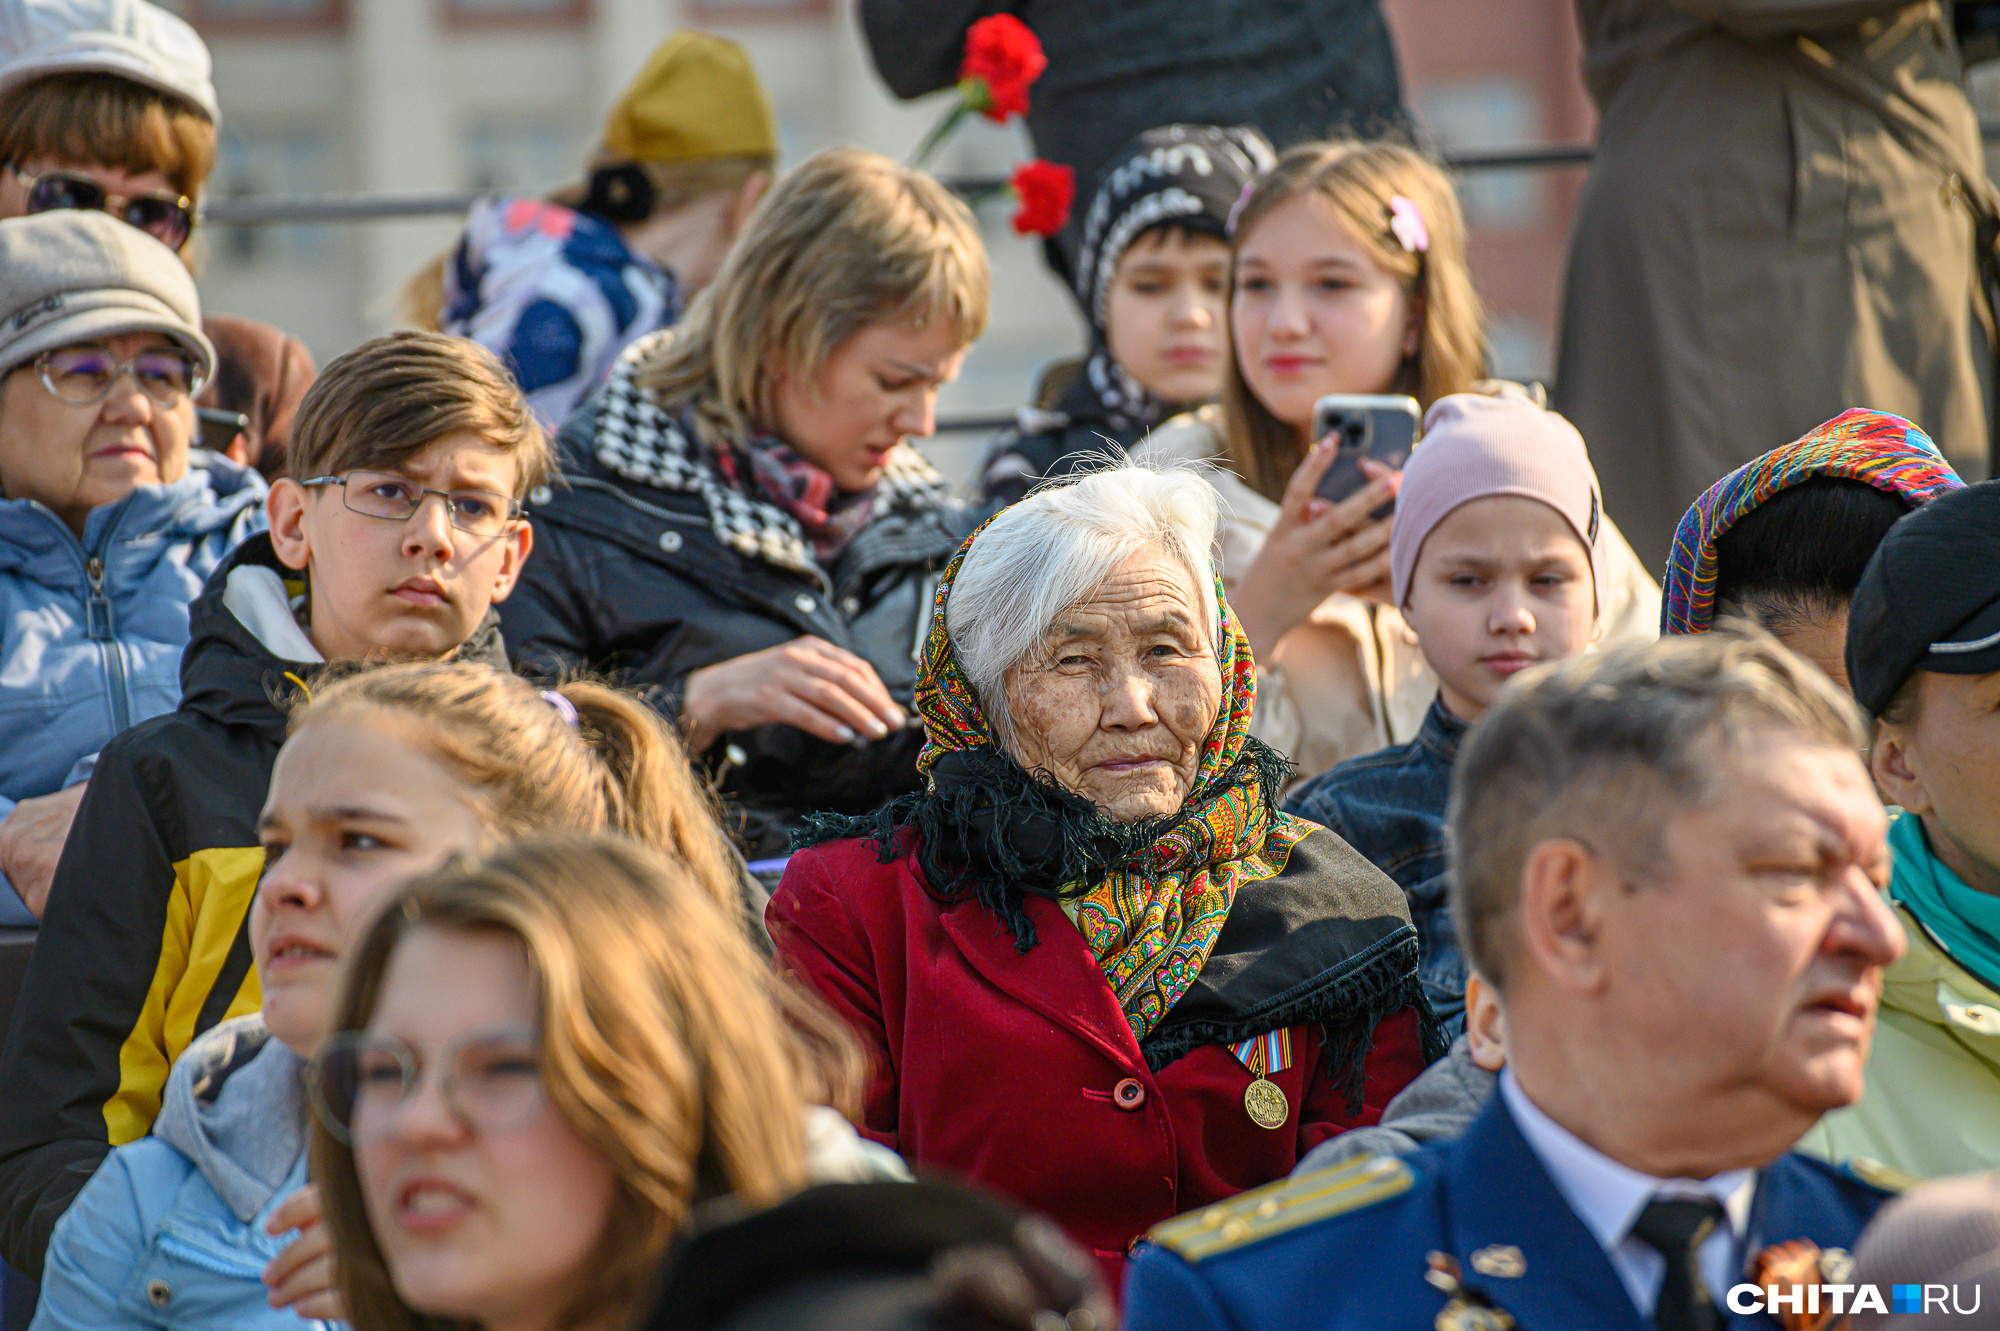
(542, 1065)
(549, 1066)
(109, 521)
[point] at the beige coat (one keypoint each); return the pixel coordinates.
(1759, 249)
(1352, 679)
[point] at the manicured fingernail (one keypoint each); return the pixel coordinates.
(846, 735)
(876, 728)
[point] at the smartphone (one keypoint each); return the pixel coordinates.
(219, 428)
(1382, 426)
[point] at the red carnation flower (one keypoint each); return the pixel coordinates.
(1046, 191)
(1002, 56)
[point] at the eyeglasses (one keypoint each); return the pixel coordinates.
(86, 375)
(360, 1081)
(168, 218)
(393, 498)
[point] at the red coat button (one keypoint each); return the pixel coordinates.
(1129, 1094)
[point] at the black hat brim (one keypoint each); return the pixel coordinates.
(1973, 648)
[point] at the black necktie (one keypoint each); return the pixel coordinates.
(1677, 1226)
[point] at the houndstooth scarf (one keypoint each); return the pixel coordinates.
(643, 441)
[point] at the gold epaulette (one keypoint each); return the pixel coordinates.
(1285, 1205)
(1878, 1175)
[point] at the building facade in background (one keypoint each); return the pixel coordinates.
(428, 96)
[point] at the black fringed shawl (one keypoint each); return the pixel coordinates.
(1327, 942)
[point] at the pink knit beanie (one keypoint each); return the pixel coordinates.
(1474, 446)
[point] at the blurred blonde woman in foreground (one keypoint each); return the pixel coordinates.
(541, 1063)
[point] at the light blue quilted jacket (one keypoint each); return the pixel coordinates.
(91, 630)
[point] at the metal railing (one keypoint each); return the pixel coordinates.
(295, 209)
(280, 209)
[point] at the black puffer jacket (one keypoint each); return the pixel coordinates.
(631, 580)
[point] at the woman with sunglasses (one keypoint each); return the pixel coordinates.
(108, 106)
(109, 519)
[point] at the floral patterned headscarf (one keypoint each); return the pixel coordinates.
(1873, 447)
(1149, 898)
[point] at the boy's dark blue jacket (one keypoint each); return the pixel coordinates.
(1390, 806)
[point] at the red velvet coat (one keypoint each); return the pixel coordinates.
(1021, 1073)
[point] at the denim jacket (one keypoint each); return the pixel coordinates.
(1390, 805)
(170, 1232)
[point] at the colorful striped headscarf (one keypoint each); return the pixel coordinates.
(1873, 447)
(1154, 918)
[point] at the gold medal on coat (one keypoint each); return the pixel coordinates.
(1262, 1055)
(1266, 1104)
(1466, 1309)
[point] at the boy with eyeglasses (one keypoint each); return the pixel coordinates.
(108, 106)
(414, 452)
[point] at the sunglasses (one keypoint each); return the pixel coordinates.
(168, 218)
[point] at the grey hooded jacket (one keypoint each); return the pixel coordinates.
(1438, 1104)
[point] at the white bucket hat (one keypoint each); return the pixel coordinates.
(130, 38)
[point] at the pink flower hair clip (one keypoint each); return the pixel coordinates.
(1406, 224)
(1236, 209)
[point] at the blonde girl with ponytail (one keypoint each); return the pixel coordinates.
(582, 757)
(388, 773)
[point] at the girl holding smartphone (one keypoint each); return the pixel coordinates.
(1348, 275)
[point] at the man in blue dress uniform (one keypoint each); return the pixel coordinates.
(1669, 861)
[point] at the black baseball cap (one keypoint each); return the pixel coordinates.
(1929, 598)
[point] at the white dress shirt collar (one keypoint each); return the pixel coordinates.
(1608, 1197)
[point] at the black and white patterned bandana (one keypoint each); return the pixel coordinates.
(1190, 174)
(644, 441)
(1193, 174)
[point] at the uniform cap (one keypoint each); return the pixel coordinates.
(1929, 598)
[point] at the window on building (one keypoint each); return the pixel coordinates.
(514, 155)
(1489, 112)
(727, 11)
(262, 15)
(514, 13)
(253, 160)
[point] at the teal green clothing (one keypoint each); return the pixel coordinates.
(1963, 918)
(1932, 1103)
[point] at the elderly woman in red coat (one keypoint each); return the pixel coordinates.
(1097, 968)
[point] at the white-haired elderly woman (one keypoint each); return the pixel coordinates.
(1098, 969)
